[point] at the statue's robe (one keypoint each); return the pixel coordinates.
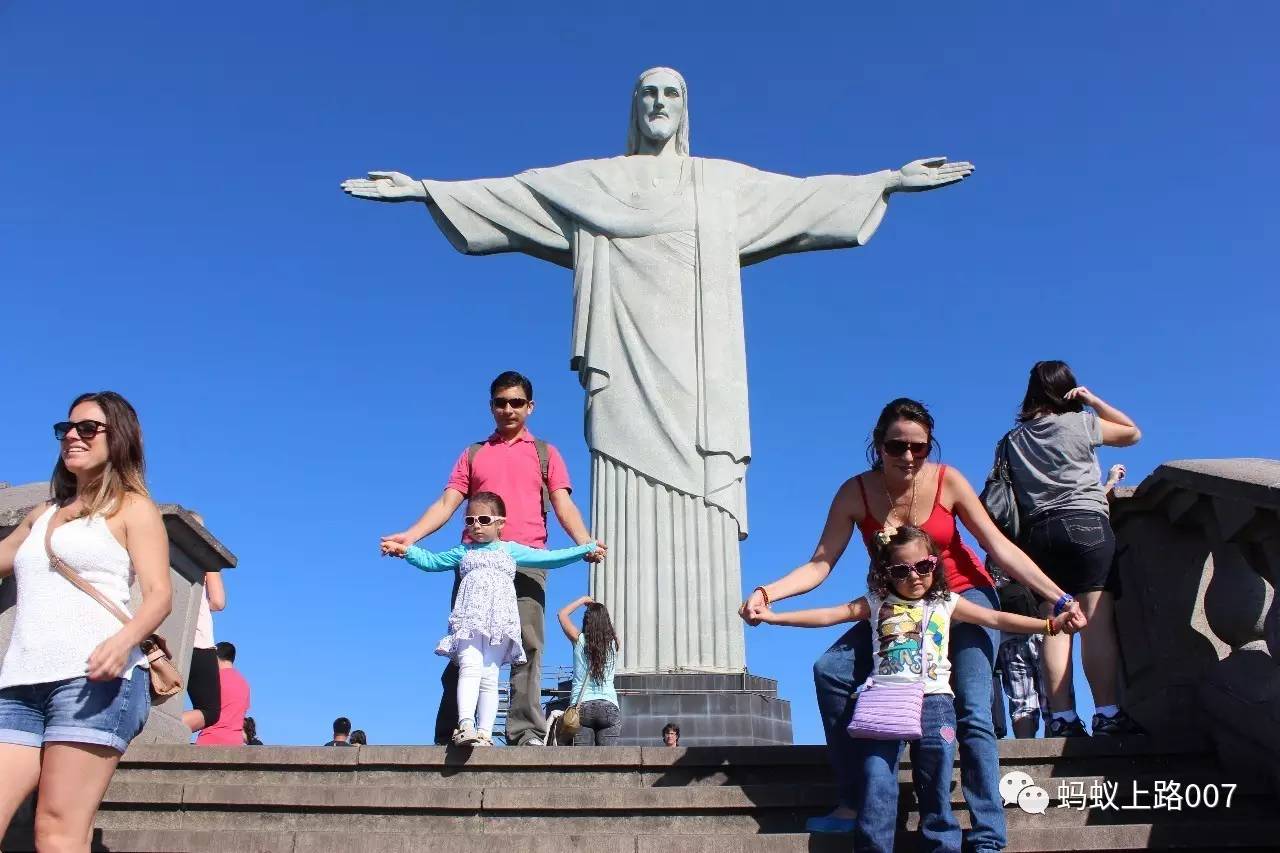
(658, 345)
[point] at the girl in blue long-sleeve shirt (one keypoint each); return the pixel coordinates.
(484, 627)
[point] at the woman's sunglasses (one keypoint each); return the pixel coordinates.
(924, 568)
(482, 520)
(86, 429)
(897, 447)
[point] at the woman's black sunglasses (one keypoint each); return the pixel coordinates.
(924, 568)
(897, 447)
(86, 429)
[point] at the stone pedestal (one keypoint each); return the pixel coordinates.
(711, 709)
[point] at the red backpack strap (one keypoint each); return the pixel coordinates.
(544, 466)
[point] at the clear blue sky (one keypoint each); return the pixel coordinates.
(307, 366)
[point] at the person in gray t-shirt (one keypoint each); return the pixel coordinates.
(1067, 532)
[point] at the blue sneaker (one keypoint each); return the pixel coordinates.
(828, 825)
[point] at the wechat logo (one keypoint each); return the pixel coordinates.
(1018, 788)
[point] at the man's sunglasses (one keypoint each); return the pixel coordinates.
(922, 569)
(513, 402)
(86, 429)
(898, 447)
(482, 520)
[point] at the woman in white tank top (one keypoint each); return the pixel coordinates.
(74, 689)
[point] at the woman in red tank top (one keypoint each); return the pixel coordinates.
(903, 487)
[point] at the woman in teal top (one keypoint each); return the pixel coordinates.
(595, 653)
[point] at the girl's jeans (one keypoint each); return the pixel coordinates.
(847, 664)
(601, 724)
(931, 760)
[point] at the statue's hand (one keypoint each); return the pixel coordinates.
(931, 173)
(385, 186)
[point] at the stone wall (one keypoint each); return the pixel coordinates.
(193, 550)
(1199, 628)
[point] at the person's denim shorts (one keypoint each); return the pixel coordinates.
(77, 710)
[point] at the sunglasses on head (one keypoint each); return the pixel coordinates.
(86, 429)
(924, 568)
(482, 520)
(898, 447)
(513, 402)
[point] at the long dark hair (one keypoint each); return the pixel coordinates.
(250, 729)
(901, 409)
(126, 468)
(600, 640)
(1047, 389)
(880, 583)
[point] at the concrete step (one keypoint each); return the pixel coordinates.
(594, 767)
(1239, 838)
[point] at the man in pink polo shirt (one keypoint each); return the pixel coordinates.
(509, 463)
(229, 728)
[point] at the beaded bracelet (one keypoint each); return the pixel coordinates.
(764, 594)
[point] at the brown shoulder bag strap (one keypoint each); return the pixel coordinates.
(70, 574)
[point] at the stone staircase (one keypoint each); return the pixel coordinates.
(638, 800)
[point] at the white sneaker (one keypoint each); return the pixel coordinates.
(533, 741)
(465, 735)
(483, 738)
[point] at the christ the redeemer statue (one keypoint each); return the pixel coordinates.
(655, 240)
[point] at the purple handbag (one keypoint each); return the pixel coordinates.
(890, 711)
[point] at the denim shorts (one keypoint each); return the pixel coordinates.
(76, 710)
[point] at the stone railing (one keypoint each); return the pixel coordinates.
(193, 550)
(1199, 630)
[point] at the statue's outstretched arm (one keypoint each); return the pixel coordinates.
(928, 174)
(386, 186)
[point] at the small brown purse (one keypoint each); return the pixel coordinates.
(571, 719)
(166, 681)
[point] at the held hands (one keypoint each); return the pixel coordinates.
(598, 555)
(385, 186)
(753, 609)
(1062, 623)
(1071, 620)
(108, 660)
(393, 547)
(929, 174)
(1116, 473)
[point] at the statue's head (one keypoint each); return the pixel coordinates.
(659, 110)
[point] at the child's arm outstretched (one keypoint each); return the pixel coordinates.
(1013, 623)
(819, 617)
(538, 558)
(420, 558)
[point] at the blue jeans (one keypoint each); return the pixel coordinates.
(931, 760)
(77, 710)
(844, 666)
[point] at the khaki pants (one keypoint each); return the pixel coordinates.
(524, 715)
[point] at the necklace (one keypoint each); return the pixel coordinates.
(886, 533)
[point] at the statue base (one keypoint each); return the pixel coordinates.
(711, 709)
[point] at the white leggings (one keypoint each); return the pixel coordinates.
(478, 665)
